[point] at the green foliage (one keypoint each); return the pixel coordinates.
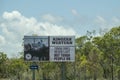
(3, 65)
(96, 58)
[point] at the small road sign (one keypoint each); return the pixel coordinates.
(34, 67)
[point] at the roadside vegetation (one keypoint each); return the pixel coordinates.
(96, 58)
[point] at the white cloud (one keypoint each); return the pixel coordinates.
(100, 20)
(2, 40)
(102, 23)
(11, 16)
(107, 23)
(116, 21)
(14, 26)
(74, 12)
(51, 18)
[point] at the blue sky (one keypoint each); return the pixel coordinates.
(62, 7)
(78, 11)
(53, 17)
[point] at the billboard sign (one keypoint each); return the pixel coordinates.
(49, 48)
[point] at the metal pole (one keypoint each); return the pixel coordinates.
(33, 74)
(74, 70)
(112, 63)
(85, 73)
(33, 63)
(112, 67)
(63, 71)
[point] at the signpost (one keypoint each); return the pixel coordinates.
(33, 67)
(62, 49)
(49, 48)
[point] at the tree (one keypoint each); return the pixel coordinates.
(3, 65)
(109, 46)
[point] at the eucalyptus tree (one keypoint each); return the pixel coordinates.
(109, 44)
(3, 65)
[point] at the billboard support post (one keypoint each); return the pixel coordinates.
(33, 74)
(63, 76)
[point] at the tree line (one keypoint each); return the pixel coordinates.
(96, 58)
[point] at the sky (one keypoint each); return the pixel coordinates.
(53, 17)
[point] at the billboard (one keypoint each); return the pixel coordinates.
(49, 48)
(36, 48)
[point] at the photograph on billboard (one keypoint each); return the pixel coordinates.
(36, 48)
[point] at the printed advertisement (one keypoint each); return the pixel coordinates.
(49, 48)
